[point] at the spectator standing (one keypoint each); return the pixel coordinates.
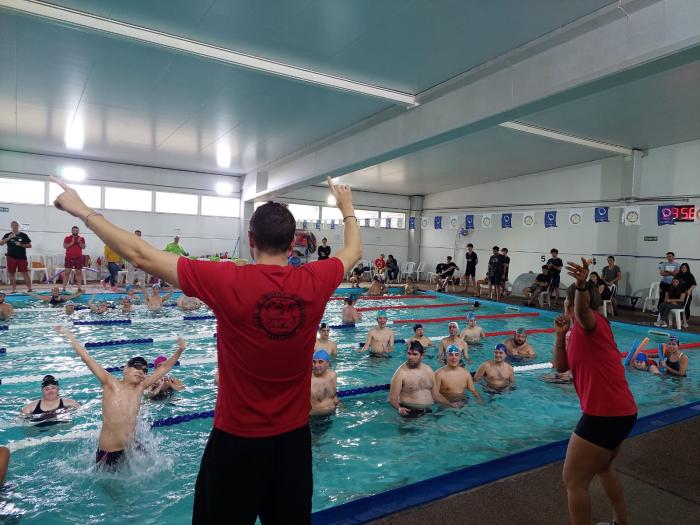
(470, 269)
(612, 274)
(668, 269)
(688, 284)
(555, 265)
(175, 247)
(495, 272)
(74, 245)
(506, 267)
(17, 243)
(324, 251)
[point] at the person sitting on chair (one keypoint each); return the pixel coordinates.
(446, 274)
(538, 286)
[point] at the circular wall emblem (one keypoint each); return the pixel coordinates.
(454, 222)
(279, 315)
(424, 223)
(632, 217)
(575, 218)
(486, 222)
(528, 220)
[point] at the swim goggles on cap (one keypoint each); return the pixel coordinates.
(471, 317)
(520, 331)
(500, 347)
(452, 349)
(48, 380)
(674, 339)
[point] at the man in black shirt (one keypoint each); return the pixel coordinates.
(17, 244)
(555, 265)
(538, 286)
(495, 272)
(506, 267)
(446, 272)
(470, 270)
(324, 251)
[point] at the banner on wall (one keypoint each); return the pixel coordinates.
(454, 222)
(506, 220)
(528, 219)
(576, 217)
(631, 216)
(305, 225)
(486, 220)
(664, 215)
(550, 219)
(438, 222)
(332, 224)
(318, 224)
(602, 214)
(470, 222)
(411, 223)
(388, 222)
(424, 223)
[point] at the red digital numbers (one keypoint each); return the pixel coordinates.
(684, 213)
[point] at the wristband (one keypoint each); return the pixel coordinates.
(348, 217)
(94, 213)
(584, 289)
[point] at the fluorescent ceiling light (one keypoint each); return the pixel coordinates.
(565, 137)
(224, 188)
(223, 155)
(73, 173)
(142, 34)
(75, 137)
(331, 200)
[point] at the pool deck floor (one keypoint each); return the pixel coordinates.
(660, 472)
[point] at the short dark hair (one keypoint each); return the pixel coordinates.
(470, 245)
(670, 253)
(415, 345)
(553, 250)
(137, 231)
(449, 258)
(611, 257)
(593, 293)
(504, 248)
(545, 267)
(324, 239)
(495, 248)
(272, 226)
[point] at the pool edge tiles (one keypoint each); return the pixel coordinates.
(432, 489)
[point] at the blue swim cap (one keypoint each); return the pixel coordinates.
(471, 316)
(453, 349)
(674, 339)
(641, 356)
(501, 347)
(321, 354)
(381, 313)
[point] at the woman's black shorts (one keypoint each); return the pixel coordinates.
(606, 432)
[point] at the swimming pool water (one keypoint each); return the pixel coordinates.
(365, 449)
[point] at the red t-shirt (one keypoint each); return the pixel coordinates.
(267, 318)
(597, 371)
(379, 263)
(75, 250)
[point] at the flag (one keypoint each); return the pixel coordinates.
(550, 219)
(454, 222)
(664, 215)
(438, 222)
(470, 222)
(318, 224)
(506, 220)
(630, 216)
(486, 220)
(305, 224)
(601, 214)
(388, 222)
(528, 219)
(411, 223)
(424, 223)
(332, 224)
(366, 223)
(575, 217)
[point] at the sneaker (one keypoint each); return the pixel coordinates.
(104, 283)
(657, 323)
(663, 325)
(685, 324)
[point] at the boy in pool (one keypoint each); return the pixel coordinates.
(350, 313)
(498, 374)
(472, 334)
(121, 400)
(6, 309)
(380, 340)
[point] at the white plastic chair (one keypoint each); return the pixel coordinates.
(407, 270)
(3, 269)
(419, 270)
(679, 314)
(652, 298)
(39, 269)
(546, 296)
(606, 302)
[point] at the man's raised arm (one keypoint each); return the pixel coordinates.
(352, 249)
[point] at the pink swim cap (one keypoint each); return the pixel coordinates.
(158, 360)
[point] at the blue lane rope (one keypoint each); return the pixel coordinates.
(396, 342)
(116, 342)
(102, 322)
(112, 369)
(342, 326)
(198, 317)
(176, 420)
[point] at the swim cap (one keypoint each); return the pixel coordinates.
(453, 323)
(674, 339)
(453, 349)
(381, 313)
(477, 304)
(137, 361)
(520, 331)
(322, 326)
(471, 317)
(417, 326)
(158, 360)
(321, 354)
(48, 380)
(641, 356)
(500, 347)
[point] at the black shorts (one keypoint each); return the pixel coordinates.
(242, 478)
(554, 281)
(495, 279)
(470, 272)
(606, 432)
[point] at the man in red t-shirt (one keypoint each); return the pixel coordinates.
(74, 245)
(380, 265)
(258, 458)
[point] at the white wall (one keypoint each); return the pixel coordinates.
(665, 172)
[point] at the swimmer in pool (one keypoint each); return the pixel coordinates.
(324, 395)
(453, 339)
(56, 298)
(676, 362)
(6, 309)
(121, 399)
(410, 286)
(50, 402)
(324, 343)
(419, 335)
(154, 301)
(473, 333)
(188, 304)
(350, 313)
(166, 386)
(100, 308)
(498, 374)
(69, 309)
(125, 306)
(642, 363)
(411, 392)
(377, 288)
(518, 347)
(452, 381)
(380, 340)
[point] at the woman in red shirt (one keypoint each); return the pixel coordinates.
(609, 410)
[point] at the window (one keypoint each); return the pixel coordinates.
(221, 206)
(304, 212)
(328, 214)
(125, 199)
(184, 203)
(91, 195)
(22, 191)
(366, 215)
(398, 220)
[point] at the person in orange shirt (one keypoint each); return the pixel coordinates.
(114, 264)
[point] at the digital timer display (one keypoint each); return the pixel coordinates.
(680, 213)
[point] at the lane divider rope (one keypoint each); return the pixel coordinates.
(110, 322)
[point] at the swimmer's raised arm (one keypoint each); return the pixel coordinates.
(176, 384)
(166, 366)
(352, 248)
(391, 342)
(132, 248)
(168, 295)
(40, 297)
(100, 373)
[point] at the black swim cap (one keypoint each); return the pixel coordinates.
(48, 380)
(137, 361)
(417, 326)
